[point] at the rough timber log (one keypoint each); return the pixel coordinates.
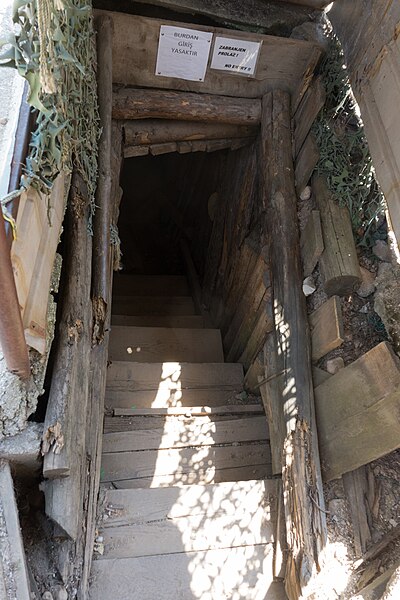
(101, 221)
(160, 131)
(68, 390)
(135, 103)
(294, 400)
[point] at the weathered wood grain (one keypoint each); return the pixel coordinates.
(159, 131)
(356, 411)
(154, 344)
(339, 262)
(307, 111)
(293, 388)
(153, 305)
(178, 434)
(230, 409)
(327, 330)
(282, 61)
(306, 161)
(133, 103)
(312, 243)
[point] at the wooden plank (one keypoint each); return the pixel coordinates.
(187, 534)
(129, 507)
(307, 111)
(133, 103)
(356, 411)
(376, 589)
(339, 261)
(178, 434)
(312, 243)
(154, 344)
(32, 255)
(282, 61)
(244, 572)
(159, 131)
(157, 149)
(179, 463)
(148, 376)
(355, 485)
(184, 147)
(319, 376)
(169, 395)
(153, 305)
(185, 322)
(230, 409)
(13, 567)
(210, 475)
(306, 162)
(292, 389)
(327, 330)
(114, 424)
(133, 151)
(280, 543)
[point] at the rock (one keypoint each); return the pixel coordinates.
(382, 251)
(367, 286)
(337, 509)
(334, 365)
(59, 592)
(306, 193)
(364, 309)
(383, 268)
(47, 596)
(386, 303)
(309, 286)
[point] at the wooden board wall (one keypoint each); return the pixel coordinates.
(283, 62)
(38, 229)
(369, 31)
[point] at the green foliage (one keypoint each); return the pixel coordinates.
(67, 121)
(345, 160)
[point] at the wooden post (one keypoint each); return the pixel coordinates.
(68, 390)
(101, 221)
(301, 472)
(135, 103)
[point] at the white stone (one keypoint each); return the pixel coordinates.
(309, 286)
(306, 193)
(334, 365)
(382, 251)
(367, 286)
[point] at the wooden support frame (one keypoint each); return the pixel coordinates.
(291, 398)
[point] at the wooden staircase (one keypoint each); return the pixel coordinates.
(188, 511)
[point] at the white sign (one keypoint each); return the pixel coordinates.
(238, 56)
(183, 53)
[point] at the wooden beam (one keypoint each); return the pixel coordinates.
(306, 162)
(133, 103)
(294, 398)
(261, 16)
(14, 578)
(101, 219)
(356, 487)
(312, 243)
(327, 330)
(307, 111)
(339, 261)
(282, 61)
(356, 411)
(69, 384)
(160, 131)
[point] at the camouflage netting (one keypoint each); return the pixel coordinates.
(53, 47)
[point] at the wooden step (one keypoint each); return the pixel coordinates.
(242, 573)
(178, 434)
(187, 465)
(131, 376)
(165, 397)
(187, 322)
(131, 507)
(153, 305)
(150, 285)
(173, 520)
(113, 424)
(155, 344)
(190, 411)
